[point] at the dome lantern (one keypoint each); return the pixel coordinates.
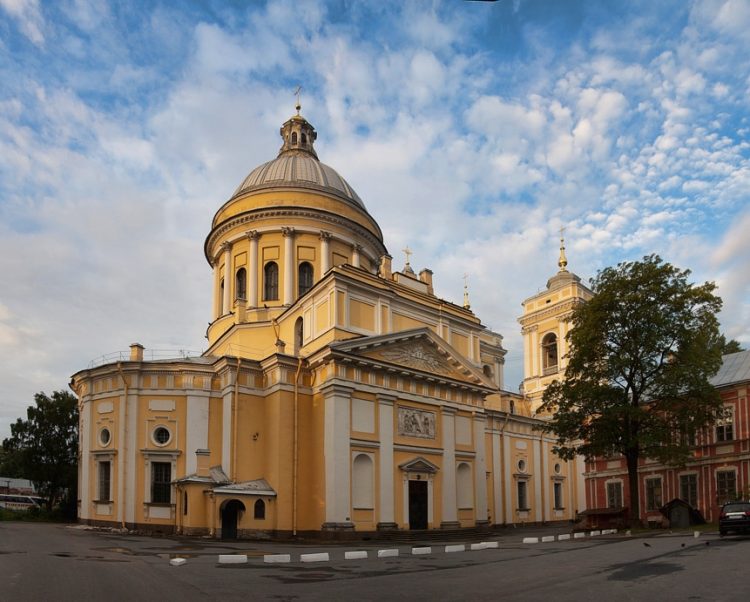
(298, 135)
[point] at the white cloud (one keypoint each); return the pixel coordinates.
(29, 17)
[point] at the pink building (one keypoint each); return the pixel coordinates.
(718, 472)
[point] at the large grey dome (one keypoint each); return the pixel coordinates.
(299, 170)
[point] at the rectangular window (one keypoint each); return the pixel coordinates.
(614, 495)
(558, 492)
(523, 502)
(653, 494)
(161, 478)
(104, 481)
(726, 486)
(689, 489)
(725, 427)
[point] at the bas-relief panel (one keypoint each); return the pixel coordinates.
(416, 423)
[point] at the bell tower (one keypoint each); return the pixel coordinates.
(544, 324)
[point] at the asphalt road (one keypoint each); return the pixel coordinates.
(55, 562)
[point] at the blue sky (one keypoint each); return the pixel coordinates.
(473, 132)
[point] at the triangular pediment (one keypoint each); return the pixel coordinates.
(419, 350)
(419, 465)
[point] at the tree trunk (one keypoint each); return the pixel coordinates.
(634, 509)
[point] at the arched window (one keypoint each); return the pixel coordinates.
(240, 284)
(464, 486)
(259, 510)
(221, 298)
(512, 407)
(549, 353)
(362, 482)
(304, 277)
(294, 137)
(304, 139)
(298, 332)
(271, 281)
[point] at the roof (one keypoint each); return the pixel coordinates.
(256, 487)
(299, 170)
(735, 368)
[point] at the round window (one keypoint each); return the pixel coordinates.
(522, 466)
(162, 435)
(558, 468)
(105, 437)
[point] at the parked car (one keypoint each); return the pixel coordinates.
(734, 516)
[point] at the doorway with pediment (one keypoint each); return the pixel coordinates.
(417, 481)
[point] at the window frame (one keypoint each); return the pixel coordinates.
(654, 492)
(614, 492)
(309, 277)
(728, 495)
(271, 281)
(692, 495)
(104, 482)
(160, 489)
(240, 284)
(725, 426)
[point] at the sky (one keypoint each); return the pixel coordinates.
(473, 132)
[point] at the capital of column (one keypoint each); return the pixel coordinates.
(287, 231)
(226, 246)
(448, 410)
(357, 247)
(332, 389)
(385, 398)
(325, 235)
(252, 234)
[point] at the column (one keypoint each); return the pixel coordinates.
(336, 457)
(480, 471)
(325, 252)
(546, 480)
(226, 433)
(535, 370)
(132, 455)
(387, 518)
(288, 265)
(355, 255)
(252, 273)
(497, 479)
(509, 477)
(218, 301)
(227, 300)
(449, 520)
(86, 426)
(537, 480)
(197, 428)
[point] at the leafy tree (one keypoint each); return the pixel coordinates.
(730, 346)
(642, 351)
(44, 447)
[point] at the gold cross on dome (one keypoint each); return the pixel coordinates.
(408, 252)
(297, 93)
(562, 232)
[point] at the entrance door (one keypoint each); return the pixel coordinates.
(417, 504)
(229, 519)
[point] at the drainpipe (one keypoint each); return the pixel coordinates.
(124, 443)
(295, 455)
(234, 420)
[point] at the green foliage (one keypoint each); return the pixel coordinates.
(730, 346)
(44, 447)
(642, 351)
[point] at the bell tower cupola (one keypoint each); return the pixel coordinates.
(545, 324)
(298, 135)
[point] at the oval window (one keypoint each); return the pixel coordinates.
(105, 437)
(522, 466)
(161, 435)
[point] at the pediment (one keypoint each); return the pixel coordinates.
(419, 465)
(416, 350)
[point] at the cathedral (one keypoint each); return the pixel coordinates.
(338, 395)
